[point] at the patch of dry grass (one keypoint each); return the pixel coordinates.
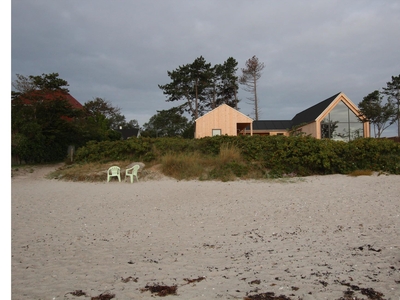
(184, 166)
(188, 166)
(361, 173)
(229, 153)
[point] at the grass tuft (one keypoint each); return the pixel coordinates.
(183, 166)
(361, 173)
(229, 153)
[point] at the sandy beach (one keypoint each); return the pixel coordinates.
(318, 237)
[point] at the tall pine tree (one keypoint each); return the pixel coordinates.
(392, 90)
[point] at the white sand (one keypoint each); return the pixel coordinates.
(302, 239)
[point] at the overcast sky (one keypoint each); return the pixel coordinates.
(121, 50)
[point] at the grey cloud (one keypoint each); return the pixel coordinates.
(122, 50)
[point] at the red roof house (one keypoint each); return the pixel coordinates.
(37, 95)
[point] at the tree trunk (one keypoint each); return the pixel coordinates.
(255, 99)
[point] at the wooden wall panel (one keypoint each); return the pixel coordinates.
(223, 117)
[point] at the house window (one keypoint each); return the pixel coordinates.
(216, 132)
(341, 124)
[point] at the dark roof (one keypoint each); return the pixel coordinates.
(311, 114)
(128, 133)
(306, 116)
(272, 125)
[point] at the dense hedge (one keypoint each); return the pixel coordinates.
(273, 154)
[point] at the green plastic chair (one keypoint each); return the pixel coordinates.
(114, 171)
(132, 172)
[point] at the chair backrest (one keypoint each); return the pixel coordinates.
(135, 169)
(114, 170)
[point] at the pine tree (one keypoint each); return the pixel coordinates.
(392, 90)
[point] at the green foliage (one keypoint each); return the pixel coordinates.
(174, 145)
(166, 123)
(42, 130)
(49, 82)
(392, 90)
(201, 86)
(131, 149)
(102, 113)
(229, 164)
(380, 115)
(212, 145)
(227, 157)
(44, 123)
(226, 84)
(374, 154)
(229, 171)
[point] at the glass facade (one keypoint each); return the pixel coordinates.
(341, 124)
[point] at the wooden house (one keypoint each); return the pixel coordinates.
(335, 117)
(223, 120)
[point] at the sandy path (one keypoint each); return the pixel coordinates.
(310, 239)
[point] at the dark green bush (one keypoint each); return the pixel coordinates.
(132, 149)
(273, 155)
(238, 169)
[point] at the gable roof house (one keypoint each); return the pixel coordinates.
(335, 117)
(50, 96)
(223, 120)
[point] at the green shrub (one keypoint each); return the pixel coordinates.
(229, 157)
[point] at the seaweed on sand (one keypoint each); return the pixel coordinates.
(194, 280)
(77, 293)
(161, 290)
(266, 296)
(104, 296)
(369, 292)
(130, 278)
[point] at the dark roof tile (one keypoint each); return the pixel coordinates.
(272, 124)
(306, 116)
(311, 114)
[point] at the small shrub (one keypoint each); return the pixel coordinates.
(149, 156)
(229, 164)
(238, 169)
(223, 173)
